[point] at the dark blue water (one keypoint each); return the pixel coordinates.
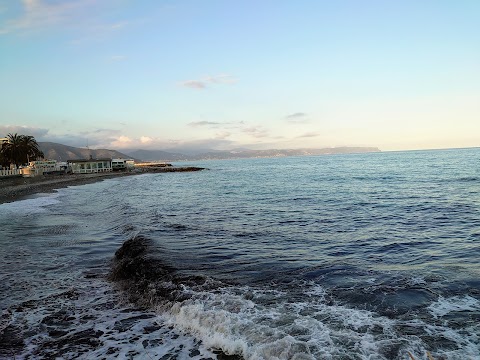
(363, 256)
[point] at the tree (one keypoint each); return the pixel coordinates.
(29, 148)
(19, 149)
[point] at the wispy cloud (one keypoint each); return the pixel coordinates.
(222, 135)
(22, 130)
(37, 15)
(255, 131)
(96, 138)
(203, 123)
(297, 118)
(146, 139)
(309, 135)
(194, 84)
(206, 81)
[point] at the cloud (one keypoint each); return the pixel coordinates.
(22, 130)
(146, 139)
(122, 141)
(37, 15)
(204, 82)
(203, 123)
(194, 84)
(296, 115)
(96, 138)
(297, 118)
(309, 135)
(222, 135)
(255, 131)
(192, 145)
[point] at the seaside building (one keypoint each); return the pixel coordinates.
(40, 167)
(118, 164)
(86, 166)
(123, 164)
(45, 165)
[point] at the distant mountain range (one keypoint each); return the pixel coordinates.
(63, 153)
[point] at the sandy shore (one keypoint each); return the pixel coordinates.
(13, 189)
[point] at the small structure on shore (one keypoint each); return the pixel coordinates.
(87, 166)
(41, 167)
(123, 164)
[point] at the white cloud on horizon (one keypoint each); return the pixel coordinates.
(146, 139)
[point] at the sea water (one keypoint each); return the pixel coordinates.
(360, 256)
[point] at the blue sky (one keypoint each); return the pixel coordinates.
(226, 74)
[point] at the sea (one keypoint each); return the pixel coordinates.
(351, 256)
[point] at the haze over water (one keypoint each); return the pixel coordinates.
(361, 256)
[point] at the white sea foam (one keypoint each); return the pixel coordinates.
(444, 306)
(254, 323)
(93, 306)
(279, 329)
(30, 206)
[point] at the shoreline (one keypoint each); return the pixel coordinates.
(19, 188)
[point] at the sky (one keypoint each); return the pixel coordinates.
(133, 74)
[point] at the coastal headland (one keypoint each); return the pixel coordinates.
(17, 188)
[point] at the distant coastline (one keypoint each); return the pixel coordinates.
(62, 152)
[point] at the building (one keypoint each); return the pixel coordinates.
(84, 166)
(45, 165)
(122, 164)
(118, 164)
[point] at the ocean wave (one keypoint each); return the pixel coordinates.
(259, 323)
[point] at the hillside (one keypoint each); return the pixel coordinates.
(157, 155)
(61, 152)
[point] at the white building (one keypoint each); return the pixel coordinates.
(45, 165)
(122, 164)
(90, 166)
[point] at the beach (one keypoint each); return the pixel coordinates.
(17, 188)
(13, 189)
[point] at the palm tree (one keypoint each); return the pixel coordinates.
(19, 149)
(29, 149)
(11, 149)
